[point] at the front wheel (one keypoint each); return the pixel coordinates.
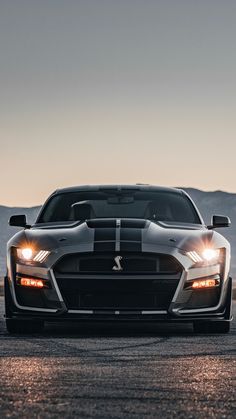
(24, 326)
(18, 326)
(212, 327)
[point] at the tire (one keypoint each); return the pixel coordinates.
(220, 326)
(7, 298)
(18, 326)
(212, 327)
(24, 326)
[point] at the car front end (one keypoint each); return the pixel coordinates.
(118, 269)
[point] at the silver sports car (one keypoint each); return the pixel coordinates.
(113, 253)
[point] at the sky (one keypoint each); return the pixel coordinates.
(107, 91)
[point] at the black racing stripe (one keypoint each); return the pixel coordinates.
(104, 246)
(133, 223)
(130, 246)
(102, 234)
(131, 234)
(96, 223)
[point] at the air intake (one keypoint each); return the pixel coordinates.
(112, 223)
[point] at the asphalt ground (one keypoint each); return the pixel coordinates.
(125, 372)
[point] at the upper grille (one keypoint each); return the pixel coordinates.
(131, 263)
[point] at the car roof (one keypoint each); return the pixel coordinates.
(138, 187)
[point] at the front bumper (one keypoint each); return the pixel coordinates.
(182, 307)
(177, 311)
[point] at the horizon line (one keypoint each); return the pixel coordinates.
(147, 184)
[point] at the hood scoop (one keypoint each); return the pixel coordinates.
(133, 223)
(102, 223)
(112, 223)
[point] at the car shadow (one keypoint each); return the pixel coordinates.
(116, 330)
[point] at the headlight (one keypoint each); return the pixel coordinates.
(211, 254)
(207, 255)
(30, 255)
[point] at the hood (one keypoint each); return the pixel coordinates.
(119, 235)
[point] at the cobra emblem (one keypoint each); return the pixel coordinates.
(118, 266)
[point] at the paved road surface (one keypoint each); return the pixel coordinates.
(125, 373)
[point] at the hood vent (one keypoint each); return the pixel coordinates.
(97, 223)
(112, 223)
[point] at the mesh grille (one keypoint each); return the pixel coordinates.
(130, 263)
(117, 293)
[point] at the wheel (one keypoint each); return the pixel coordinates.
(7, 298)
(24, 326)
(212, 327)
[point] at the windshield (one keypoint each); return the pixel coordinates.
(156, 206)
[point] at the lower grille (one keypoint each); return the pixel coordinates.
(31, 297)
(117, 293)
(203, 298)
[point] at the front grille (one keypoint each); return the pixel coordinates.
(117, 293)
(147, 281)
(131, 263)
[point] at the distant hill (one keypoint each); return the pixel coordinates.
(209, 203)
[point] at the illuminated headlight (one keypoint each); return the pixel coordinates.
(30, 255)
(207, 255)
(211, 254)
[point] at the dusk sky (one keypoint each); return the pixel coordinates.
(116, 91)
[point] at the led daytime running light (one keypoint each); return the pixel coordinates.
(41, 256)
(27, 254)
(195, 257)
(207, 255)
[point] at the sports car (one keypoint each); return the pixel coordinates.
(118, 253)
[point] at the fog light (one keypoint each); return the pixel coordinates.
(31, 282)
(205, 283)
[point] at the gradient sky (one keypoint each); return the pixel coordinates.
(116, 91)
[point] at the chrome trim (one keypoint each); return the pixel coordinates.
(117, 312)
(118, 266)
(37, 271)
(81, 311)
(117, 246)
(44, 310)
(154, 312)
(180, 286)
(56, 286)
(200, 310)
(198, 273)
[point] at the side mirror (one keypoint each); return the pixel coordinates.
(219, 221)
(18, 221)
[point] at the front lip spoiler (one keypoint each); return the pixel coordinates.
(126, 317)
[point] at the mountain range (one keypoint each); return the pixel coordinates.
(209, 203)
